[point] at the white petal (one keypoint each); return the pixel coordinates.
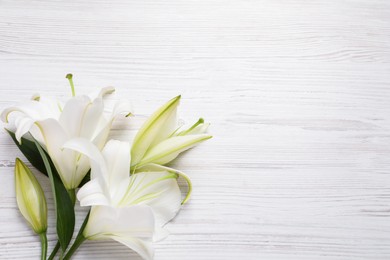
(152, 167)
(27, 113)
(168, 204)
(160, 234)
(85, 147)
(101, 93)
(170, 148)
(37, 134)
(111, 167)
(92, 119)
(159, 190)
(122, 107)
(158, 127)
(73, 113)
(101, 136)
(23, 125)
(104, 127)
(112, 107)
(92, 193)
(83, 166)
(31, 108)
(117, 157)
(65, 160)
(142, 247)
(133, 222)
(53, 105)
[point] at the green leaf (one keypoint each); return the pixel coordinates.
(63, 203)
(30, 151)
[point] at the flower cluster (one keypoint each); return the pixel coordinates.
(131, 192)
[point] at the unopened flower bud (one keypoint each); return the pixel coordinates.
(30, 197)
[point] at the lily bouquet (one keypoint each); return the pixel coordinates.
(131, 192)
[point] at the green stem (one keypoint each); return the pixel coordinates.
(78, 241)
(55, 250)
(75, 246)
(43, 238)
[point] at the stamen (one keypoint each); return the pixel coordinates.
(200, 121)
(70, 78)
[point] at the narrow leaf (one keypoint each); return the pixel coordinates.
(63, 203)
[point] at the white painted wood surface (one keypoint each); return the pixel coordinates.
(298, 94)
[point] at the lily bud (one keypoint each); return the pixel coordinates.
(30, 198)
(157, 128)
(160, 139)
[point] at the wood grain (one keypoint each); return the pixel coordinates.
(297, 93)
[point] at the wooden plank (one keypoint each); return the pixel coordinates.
(297, 93)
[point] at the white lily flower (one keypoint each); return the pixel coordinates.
(120, 201)
(81, 116)
(160, 140)
(29, 112)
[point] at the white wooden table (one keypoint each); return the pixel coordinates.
(298, 94)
